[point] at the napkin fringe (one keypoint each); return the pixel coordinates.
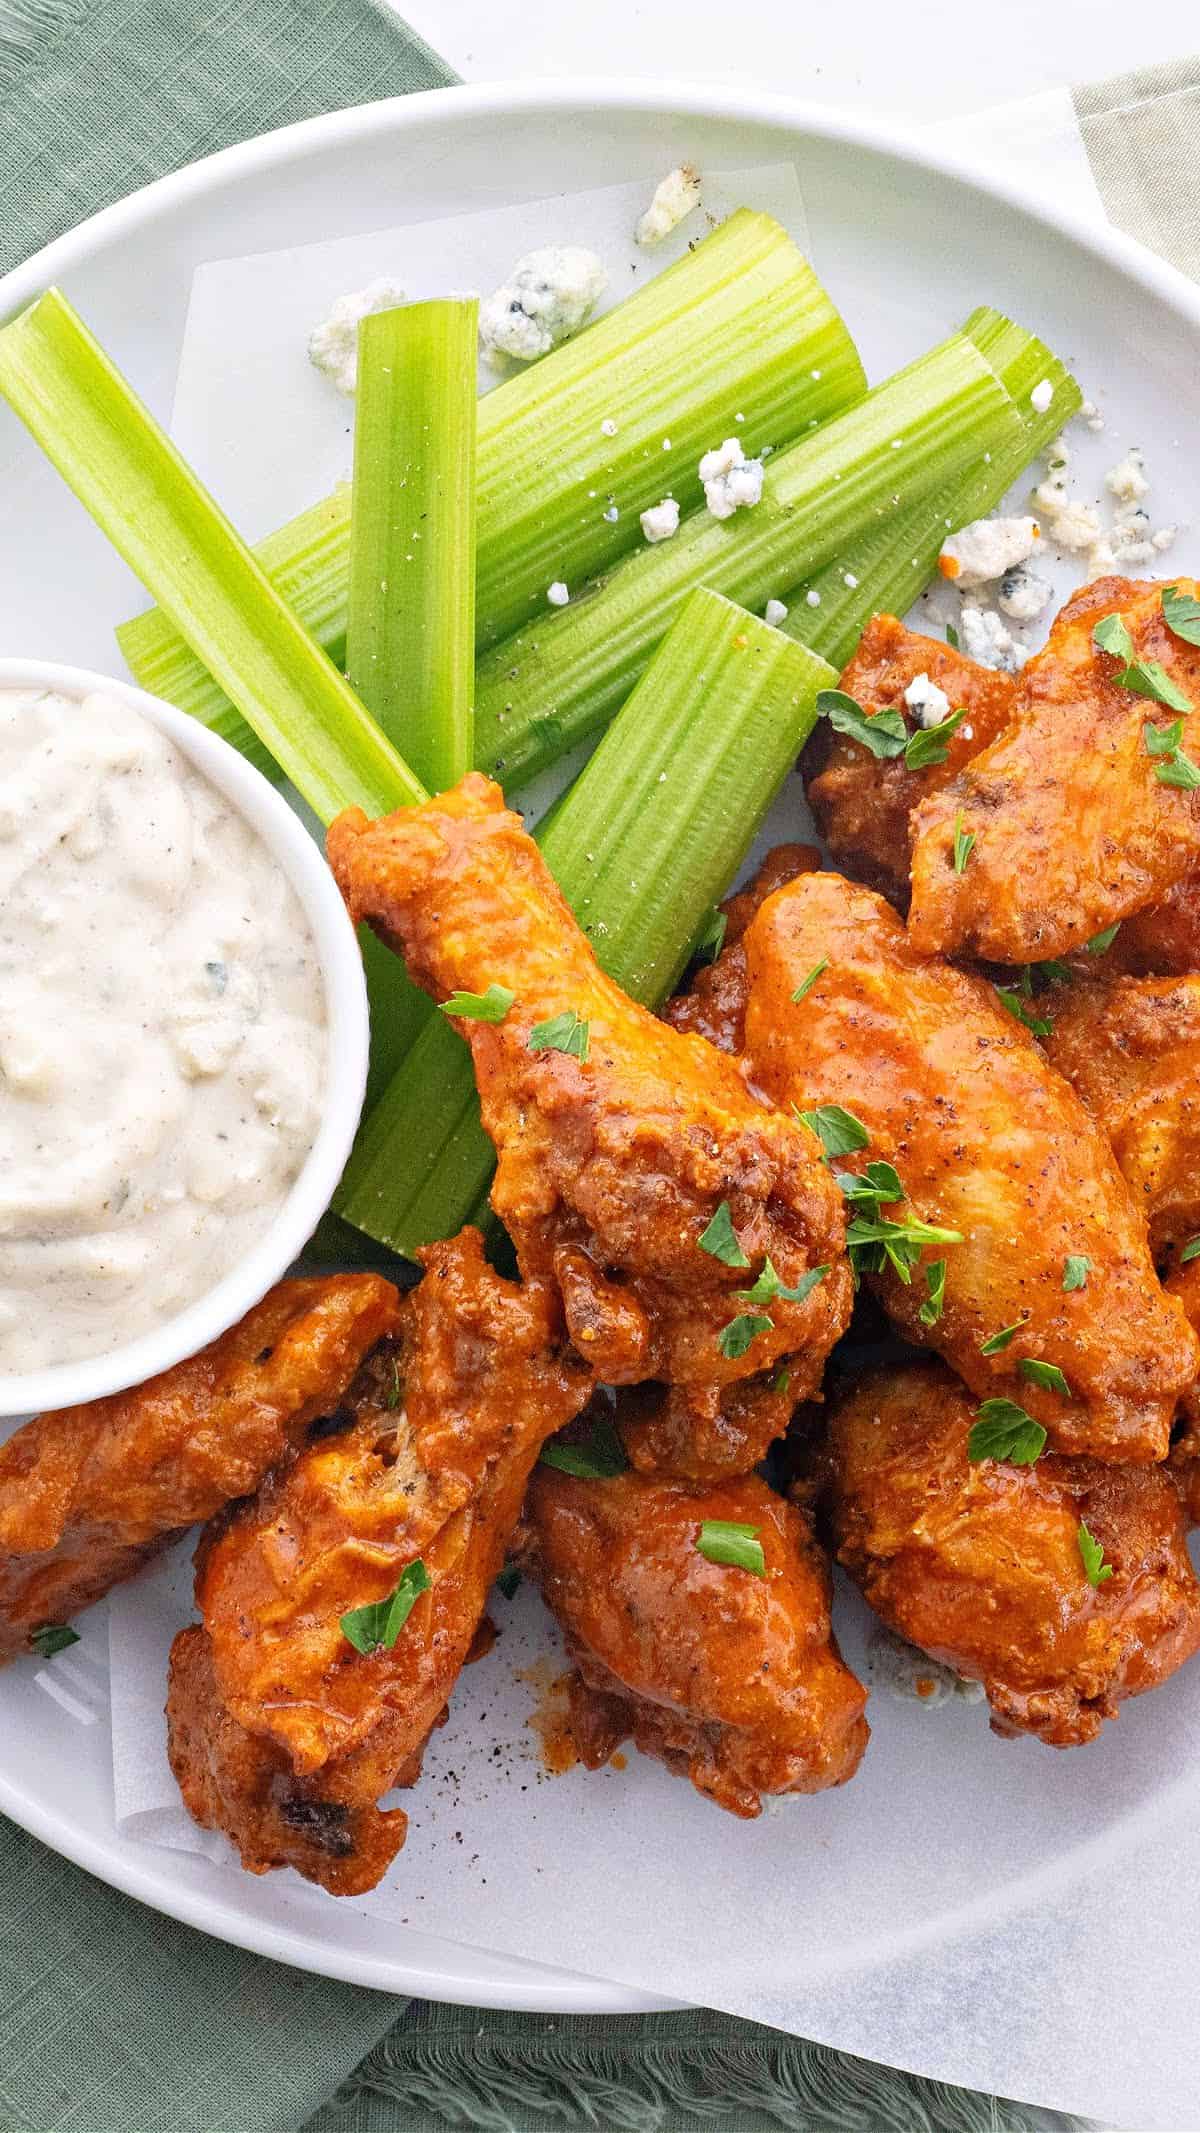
(629, 2085)
(29, 29)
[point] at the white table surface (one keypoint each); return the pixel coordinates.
(921, 60)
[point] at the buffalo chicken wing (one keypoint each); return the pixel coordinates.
(88, 1494)
(1070, 826)
(620, 1142)
(984, 1564)
(731, 1679)
(988, 1143)
(283, 1732)
(862, 802)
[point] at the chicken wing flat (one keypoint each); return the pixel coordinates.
(987, 1141)
(1130, 1048)
(619, 1140)
(1072, 827)
(732, 1680)
(981, 1564)
(861, 802)
(88, 1494)
(283, 1732)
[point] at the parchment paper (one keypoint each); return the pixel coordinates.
(989, 1913)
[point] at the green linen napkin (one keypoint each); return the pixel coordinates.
(113, 2019)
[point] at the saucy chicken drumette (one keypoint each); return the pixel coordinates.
(728, 1674)
(1063, 1585)
(694, 1234)
(986, 1142)
(339, 1605)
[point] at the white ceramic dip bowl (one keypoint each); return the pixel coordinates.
(301, 859)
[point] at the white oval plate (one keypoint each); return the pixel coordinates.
(907, 243)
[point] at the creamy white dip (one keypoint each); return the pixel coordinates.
(162, 1036)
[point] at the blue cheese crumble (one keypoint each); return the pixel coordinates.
(660, 521)
(548, 296)
(333, 344)
(675, 197)
(731, 481)
(987, 548)
(929, 704)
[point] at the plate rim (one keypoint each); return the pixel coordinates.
(148, 1879)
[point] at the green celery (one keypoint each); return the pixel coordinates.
(739, 327)
(552, 686)
(144, 497)
(893, 563)
(302, 561)
(410, 633)
(643, 843)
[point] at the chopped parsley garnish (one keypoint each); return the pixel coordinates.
(711, 938)
(879, 1182)
(376, 1628)
(489, 1006)
(931, 744)
(885, 734)
(806, 984)
(1056, 973)
(1163, 740)
(1191, 1250)
(1038, 1025)
(769, 1286)
(719, 1240)
(873, 1241)
(52, 1637)
(1100, 943)
(597, 1458)
(508, 1580)
(1112, 636)
(1076, 1269)
(1047, 1375)
(562, 1033)
(1181, 614)
(781, 1382)
(721, 1541)
(1148, 677)
(952, 636)
(395, 1391)
(964, 844)
(1176, 768)
(1095, 1569)
(838, 1131)
(935, 1283)
(1001, 1340)
(1002, 1430)
(873, 1244)
(734, 1339)
(1180, 771)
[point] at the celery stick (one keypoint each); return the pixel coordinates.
(646, 839)
(301, 562)
(410, 634)
(149, 504)
(885, 569)
(551, 686)
(737, 327)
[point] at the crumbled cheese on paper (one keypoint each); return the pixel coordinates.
(988, 547)
(548, 296)
(333, 344)
(675, 197)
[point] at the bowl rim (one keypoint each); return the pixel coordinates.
(244, 1284)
